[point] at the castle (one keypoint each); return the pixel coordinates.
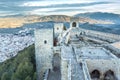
(76, 54)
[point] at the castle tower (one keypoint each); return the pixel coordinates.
(43, 51)
(74, 22)
(58, 30)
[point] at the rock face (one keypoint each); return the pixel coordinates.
(13, 22)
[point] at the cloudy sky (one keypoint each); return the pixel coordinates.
(57, 7)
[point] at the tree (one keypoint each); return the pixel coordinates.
(5, 76)
(24, 69)
(13, 77)
(19, 67)
(35, 76)
(28, 78)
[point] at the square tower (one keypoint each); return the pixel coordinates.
(43, 51)
(74, 22)
(58, 29)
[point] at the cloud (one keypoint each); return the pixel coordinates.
(7, 13)
(67, 9)
(50, 3)
(55, 7)
(69, 13)
(111, 8)
(55, 11)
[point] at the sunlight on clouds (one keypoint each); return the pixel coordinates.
(111, 8)
(53, 9)
(47, 3)
(63, 7)
(54, 13)
(103, 7)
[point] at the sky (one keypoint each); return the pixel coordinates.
(57, 7)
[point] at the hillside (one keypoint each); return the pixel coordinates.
(21, 67)
(56, 18)
(101, 16)
(112, 28)
(13, 22)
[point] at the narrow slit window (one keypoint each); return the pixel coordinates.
(45, 42)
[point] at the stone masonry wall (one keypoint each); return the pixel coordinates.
(104, 65)
(43, 51)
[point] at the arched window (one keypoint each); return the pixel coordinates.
(95, 74)
(109, 75)
(74, 24)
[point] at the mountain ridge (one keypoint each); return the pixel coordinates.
(101, 16)
(13, 22)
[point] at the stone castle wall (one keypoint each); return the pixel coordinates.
(43, 51)
(104, 65)
(105, 36)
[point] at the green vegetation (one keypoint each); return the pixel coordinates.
(21, 67)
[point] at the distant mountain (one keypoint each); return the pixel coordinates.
(56, 18)
(64, 18)
(101, 16)
(108, 28)
(20, 20)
